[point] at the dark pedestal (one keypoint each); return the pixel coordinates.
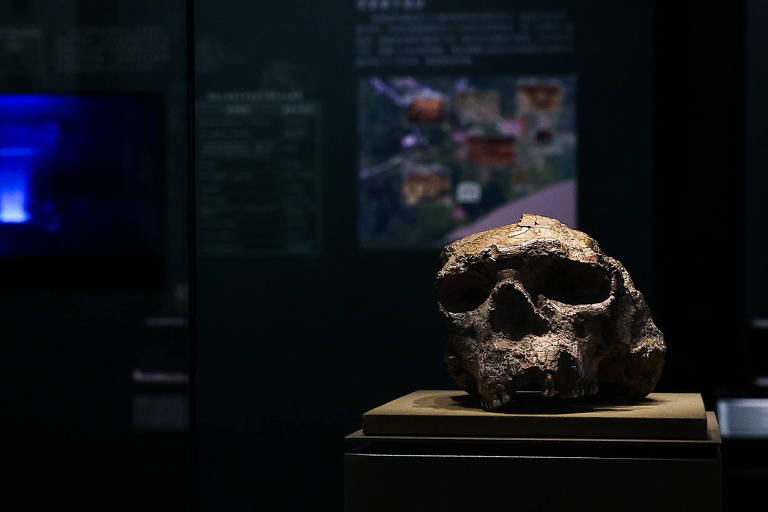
(409, 473)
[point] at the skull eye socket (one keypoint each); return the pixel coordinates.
(463, 292)
(573, 282)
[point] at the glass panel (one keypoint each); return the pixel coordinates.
(339, 145)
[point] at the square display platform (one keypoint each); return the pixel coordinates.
(454, 413)
(434, 450)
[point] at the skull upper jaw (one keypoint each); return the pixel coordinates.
(533, 363)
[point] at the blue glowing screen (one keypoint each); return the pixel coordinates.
(80, 174)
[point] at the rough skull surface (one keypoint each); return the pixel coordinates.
(538, 306)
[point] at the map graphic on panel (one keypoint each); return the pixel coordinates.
(443, 157)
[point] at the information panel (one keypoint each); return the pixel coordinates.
(258, 174)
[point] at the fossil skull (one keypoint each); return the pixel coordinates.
(538, 306)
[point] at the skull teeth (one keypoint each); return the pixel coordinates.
(549, 387)
(584, 388)
(581, 389)
(487, 405)
(495, 403)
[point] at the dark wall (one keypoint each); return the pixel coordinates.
(699, 196)
(756, 261)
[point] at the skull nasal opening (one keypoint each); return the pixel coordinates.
(512, 312)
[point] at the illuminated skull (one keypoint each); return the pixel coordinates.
(537, 306)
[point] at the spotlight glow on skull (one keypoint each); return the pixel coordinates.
(538, 306)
